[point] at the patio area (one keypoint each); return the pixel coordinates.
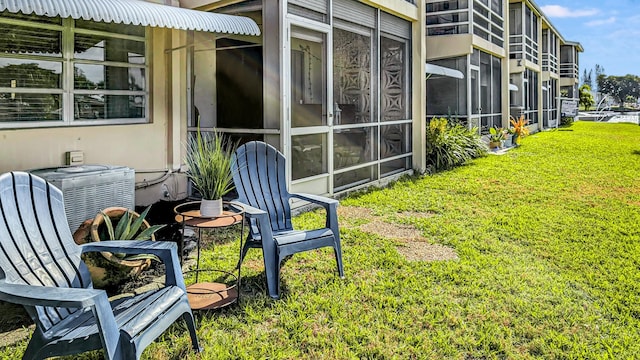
(531, 254)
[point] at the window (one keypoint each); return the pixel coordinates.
(64, 72)
(371, 128)
(448, 17)
(446, 95)
(486, 90)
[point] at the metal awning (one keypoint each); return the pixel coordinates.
(135, 12)
(432, 69)
(513, 87)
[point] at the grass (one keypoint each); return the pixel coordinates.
(549, 267)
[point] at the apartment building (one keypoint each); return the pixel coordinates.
(469, 36)
(570, 69)
(330, 83)
(337, 85)
(512, 57)
(551, 40)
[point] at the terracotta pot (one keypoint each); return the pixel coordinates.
(107, 268)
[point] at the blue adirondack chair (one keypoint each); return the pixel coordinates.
(41, 269)
(259, 178)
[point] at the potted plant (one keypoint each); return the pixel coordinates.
(116, 223)
(208, 157)
(508, 137)
(520, 129)
(496, 137)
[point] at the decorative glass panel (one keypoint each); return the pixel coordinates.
(30, 107)
(394, 140)
(100, 106)
(94, 77)
(27, 40)
(104, 48)
(395, 166)
(24, 73)
(354, 177)
(351, 77)
(308, 155)
(354, 146)
(393, 86)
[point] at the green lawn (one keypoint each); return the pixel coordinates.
(548, 240)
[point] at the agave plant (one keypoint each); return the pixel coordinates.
(129, 228)
(520, 129)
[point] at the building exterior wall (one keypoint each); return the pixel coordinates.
(327, 97)
(152, 149)
(183, 84)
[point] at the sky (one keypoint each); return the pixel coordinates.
(609, 31)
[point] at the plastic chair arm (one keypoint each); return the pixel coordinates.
(250, 211)
(330, 206)
(49, 296)
(316, 199)
(167, 251)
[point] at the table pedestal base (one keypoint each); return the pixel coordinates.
(207, 295)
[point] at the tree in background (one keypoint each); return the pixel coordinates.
(599, 70)
(620, 87)
(587, 79)
(586, 98)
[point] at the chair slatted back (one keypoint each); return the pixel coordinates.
(36, 245)
(260, 179)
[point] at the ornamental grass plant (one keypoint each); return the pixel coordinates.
(547, 243)
(451, 144)
(208, 156)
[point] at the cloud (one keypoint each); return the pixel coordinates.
(610, 20)
(563, 12)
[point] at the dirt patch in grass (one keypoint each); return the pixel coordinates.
(422, 251)
(413, 246)
(392, 231)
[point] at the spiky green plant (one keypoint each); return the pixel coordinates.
(129, 229)
(208, 157)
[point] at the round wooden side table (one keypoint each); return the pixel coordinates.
(206, 295)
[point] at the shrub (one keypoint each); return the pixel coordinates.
(451, 145)
(566, 121)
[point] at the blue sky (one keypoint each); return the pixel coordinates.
(609, 31)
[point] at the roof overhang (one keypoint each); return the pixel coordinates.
(575, 44)
(135, 12)
(432, 69)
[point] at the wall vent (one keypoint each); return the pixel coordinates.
(87, 189)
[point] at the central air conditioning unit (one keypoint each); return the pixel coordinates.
(87, 189)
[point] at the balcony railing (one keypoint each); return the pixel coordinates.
(487, 22)
(549, 62)
(569, 70)
(523, 47)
